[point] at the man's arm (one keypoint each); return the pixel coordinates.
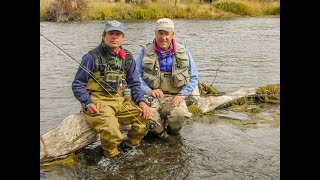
(144, 86)
(81, 79)
(188, 88)
(133, 82)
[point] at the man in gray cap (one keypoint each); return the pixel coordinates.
(168, 75)
(105, 73)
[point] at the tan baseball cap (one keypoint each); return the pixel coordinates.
(165, 24)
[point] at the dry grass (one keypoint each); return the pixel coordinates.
(188, 9)
(44, 4)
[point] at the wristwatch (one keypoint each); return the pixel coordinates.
(84, 106)
(88, 105)
(183, 96)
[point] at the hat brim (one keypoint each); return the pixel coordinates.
(168, 29)
(114, 29)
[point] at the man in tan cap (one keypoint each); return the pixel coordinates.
(168, 75)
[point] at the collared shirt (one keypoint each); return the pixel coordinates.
(186, 89)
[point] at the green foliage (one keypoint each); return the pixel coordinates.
(101, 14)
(143, 14)
(195, 110)
(269, 93)
(264, 94)
(180, 13)
(70, 160)
(189, 8)
(236, 7)
(68, 10)
(272, 10)
(42, 13)
(208, 90)
(212, 90)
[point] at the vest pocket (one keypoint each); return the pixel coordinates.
(152, 80)
(181, 79)
(182, 55)
(113, 80)
(148, 64)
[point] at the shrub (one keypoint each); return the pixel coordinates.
(66, 10)
(235, 7)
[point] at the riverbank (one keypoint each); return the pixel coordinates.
(78, 10)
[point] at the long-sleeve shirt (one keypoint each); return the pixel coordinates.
(186, 89)
(82, 77)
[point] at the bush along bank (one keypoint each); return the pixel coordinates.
(77, 10)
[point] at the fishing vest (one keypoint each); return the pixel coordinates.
(168, 82)
(110, 71)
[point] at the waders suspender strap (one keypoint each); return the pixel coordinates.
(126, 65)
(104, 63)
(127, 62)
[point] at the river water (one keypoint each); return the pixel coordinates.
(246, 52)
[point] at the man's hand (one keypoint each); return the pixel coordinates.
(176, 100)
(145, 110)
(91, 109)
(157, 93)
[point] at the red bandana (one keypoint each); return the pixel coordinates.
(120, 53)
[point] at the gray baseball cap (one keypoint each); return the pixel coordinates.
(114, 26)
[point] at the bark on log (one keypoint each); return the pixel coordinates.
(71, 135)
(207, 104)
(74, 133)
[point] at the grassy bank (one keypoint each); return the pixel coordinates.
(75, 10)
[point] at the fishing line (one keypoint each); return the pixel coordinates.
(215, 95)
(217, 73)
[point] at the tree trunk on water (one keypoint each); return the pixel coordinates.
(72, 134)
(207, 104)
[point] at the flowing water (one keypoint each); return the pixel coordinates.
(246, 52)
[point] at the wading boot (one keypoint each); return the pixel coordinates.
(163, 135)
(124, 148)
(173, 132)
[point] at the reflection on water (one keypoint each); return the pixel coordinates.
(247, 53)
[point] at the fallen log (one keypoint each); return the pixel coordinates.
(71, 135)
(74, 133)
(207, 104)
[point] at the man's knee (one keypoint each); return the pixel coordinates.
(178, 117)
(180, 112)
(176, 120)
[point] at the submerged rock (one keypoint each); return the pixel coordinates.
(233, 115)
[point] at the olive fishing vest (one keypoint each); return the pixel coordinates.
(168, 82)
(110, 71)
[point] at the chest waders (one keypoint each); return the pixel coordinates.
(171, 118)
(111, 70)
(106, 124)
(113, 108)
